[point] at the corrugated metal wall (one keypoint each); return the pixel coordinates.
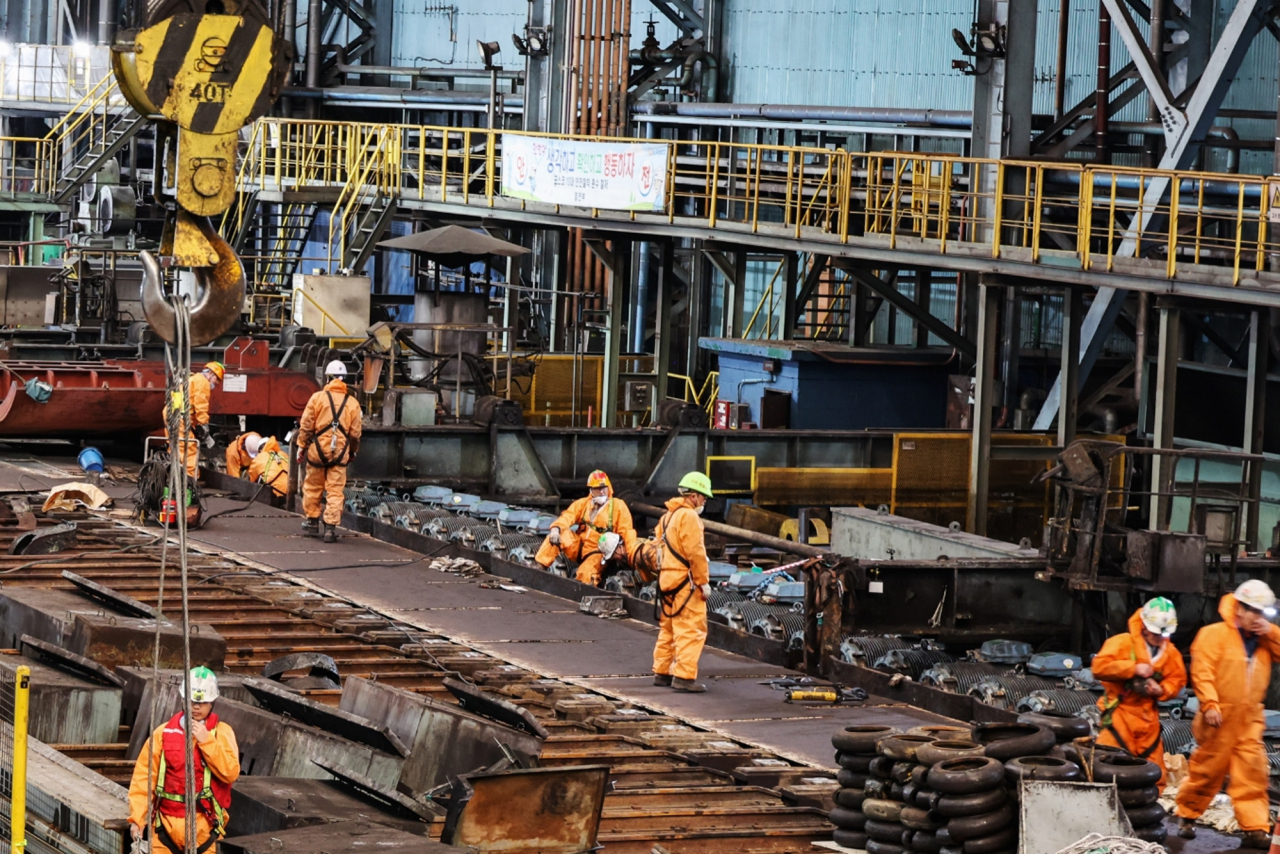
(444, 32)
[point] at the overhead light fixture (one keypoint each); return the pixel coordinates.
(988, 43)
(488, 50)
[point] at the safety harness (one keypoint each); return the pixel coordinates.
(214, 797)
(664, 602)
(282, 469)
(336, 426)
(582, 518)
(1105, 721)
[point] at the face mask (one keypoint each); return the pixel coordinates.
(699, 509)
(599, 501)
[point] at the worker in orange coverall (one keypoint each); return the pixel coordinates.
(1230, 671)
(328, 439)
(187, 444)
(159, 780)
(240, 453)
(577, 532)
(684, 585)
(270, 466)
(1140, 668)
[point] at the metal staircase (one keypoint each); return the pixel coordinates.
(89, 136)
(373, 223)
(367, 204)
(273, 237)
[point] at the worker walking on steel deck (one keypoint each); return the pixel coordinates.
(684, 585)
(1230, 671)
(159, 779)
(186, 444)
(270, 466)
(328, 440)
(241, 452)
(1140, 668)
(577, 532)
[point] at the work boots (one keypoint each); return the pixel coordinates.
(1187, 828)
(310, 527)
(330, 533)
(687, 686)
(662, 680)
(1255, 839)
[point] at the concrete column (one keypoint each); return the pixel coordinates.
(1170, 348)
(1255, 417)
(983, 400)
(1068, 413)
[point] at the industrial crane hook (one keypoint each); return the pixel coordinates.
(216, 303)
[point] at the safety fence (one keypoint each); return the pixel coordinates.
(1197, 225)
(14, 697)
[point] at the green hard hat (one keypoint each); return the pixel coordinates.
(696, 481)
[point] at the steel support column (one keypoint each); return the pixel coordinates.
(1255, 415)
(1162, 470)
(1002, 92)
(791, 296)
(1072, 308)
(662, 330)
(617, 260)
(983, 400)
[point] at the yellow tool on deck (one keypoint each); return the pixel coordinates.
(202, 76)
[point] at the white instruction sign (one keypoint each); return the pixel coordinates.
(615, 176)
(236, 383)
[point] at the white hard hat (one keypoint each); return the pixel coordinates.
(253, 444)
(335, 369)
(609, 542)
(204, 685)
(1257, 595)
(1160, 617)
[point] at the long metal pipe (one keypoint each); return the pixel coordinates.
(793, 112)
(1060, 78)
(1155, 40)
(444, 99)
(741, 534)
(315, 31)
(1101, 102)
(106, 21)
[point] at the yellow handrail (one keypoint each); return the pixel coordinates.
(18, 796)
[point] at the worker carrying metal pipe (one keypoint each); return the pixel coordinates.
(192, 430)
(239, 455)
(1230, 671)
(1139, 669)
(328, 440)
(684, 585)
(577, 533)
(270, 466)
(159, 781)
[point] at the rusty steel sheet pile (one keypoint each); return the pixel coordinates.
(395, 727)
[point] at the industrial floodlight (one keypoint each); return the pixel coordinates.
(534, 43)
(487, 52)
(962, 43)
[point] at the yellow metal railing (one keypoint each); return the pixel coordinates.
(373, 173)
(18, 775)
(86, 125)
(1065, 214)
(704, 396)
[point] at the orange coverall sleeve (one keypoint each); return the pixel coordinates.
(351, 420)
(686, 535)
(1115, 662)
(1204, 670)
(307, 426)
(200, 394)
(1174, 671)
(570, 516)
(1271, 640)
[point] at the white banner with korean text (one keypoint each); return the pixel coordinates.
(619, 176)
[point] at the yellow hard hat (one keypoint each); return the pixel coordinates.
(216, 368)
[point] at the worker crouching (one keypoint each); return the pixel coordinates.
(1230, 671)
(1140, 669)
(240, 453)
(328, 440)
(270, 467)
(576, 534)
(159, 781)
(684, 585)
